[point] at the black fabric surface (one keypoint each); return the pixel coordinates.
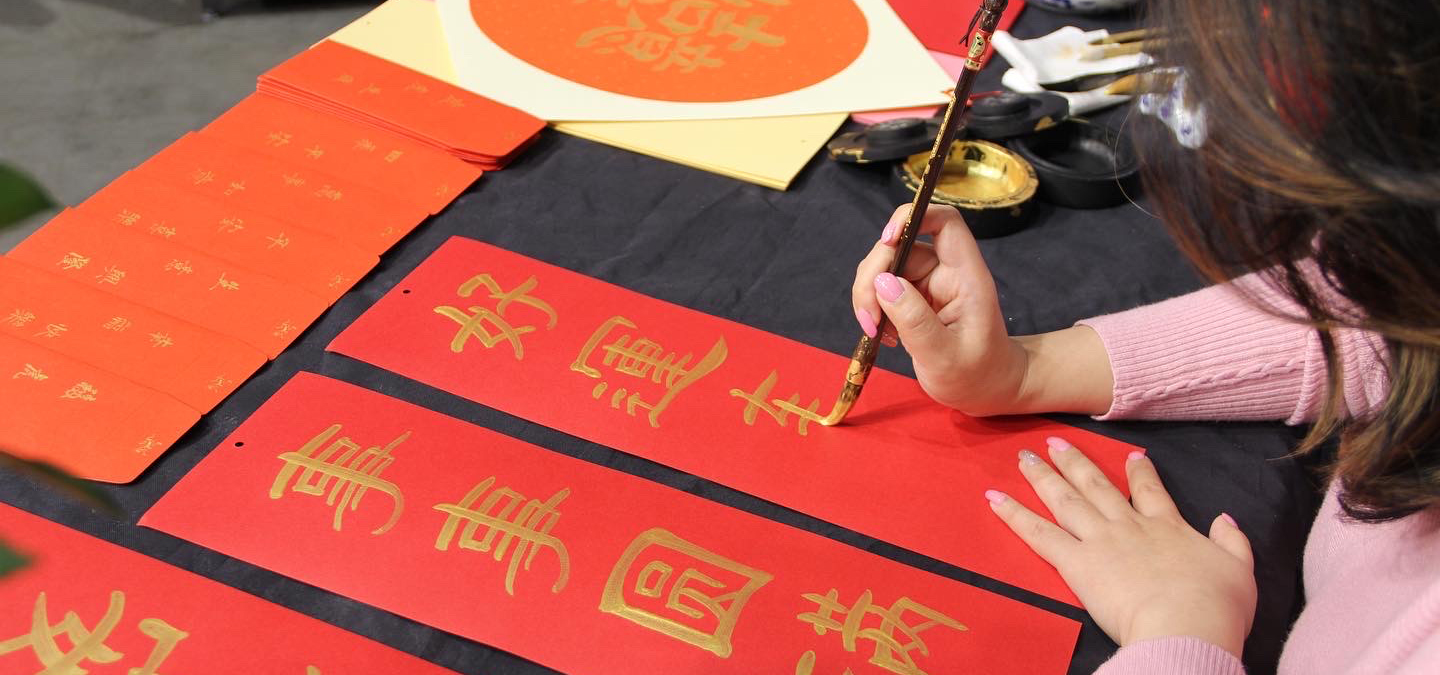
(782, 262)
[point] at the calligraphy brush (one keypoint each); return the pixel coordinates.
(863, 358)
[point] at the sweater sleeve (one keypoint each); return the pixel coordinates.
(1233, 352)
(1172, 656)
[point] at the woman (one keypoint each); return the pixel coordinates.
(1313, 200)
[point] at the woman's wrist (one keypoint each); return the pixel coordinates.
(1065, 371)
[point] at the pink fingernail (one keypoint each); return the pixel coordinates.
(1029, 458)
(1230, 520)
(867, 322)
(889, 232)
(1134, 455)
(888, 287)
(995, 496)
(1058, 444)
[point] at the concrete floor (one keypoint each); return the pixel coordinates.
(91, 88)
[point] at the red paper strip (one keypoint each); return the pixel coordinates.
(378, 159)
(321, 264)
(350, 83)
(208, 292)
(89, 422)
(131, 614)
(715, 399)
(941, 24)
(570, 564)
(155, 350)
(241, 179)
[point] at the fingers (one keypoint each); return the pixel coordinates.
(1147, 493)
(1070, 508)
(926, 338)
(1042, 536)
(1227, 535)
(862, 293)
(1087, 479)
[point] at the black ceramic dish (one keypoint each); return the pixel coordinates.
(885, 141)
(1008, 114)
(1081, 164)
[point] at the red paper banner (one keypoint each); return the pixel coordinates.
(349, 83)
(85, 605)
(155, 350)
(941, 25)
(214, 168)
(87, 421)
(182, 282)
(572, 565)
(378, 159)
(321, 264)
(716, 399)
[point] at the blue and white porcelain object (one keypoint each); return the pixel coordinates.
(1082, 6)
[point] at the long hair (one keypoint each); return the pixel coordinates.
(1321, 169)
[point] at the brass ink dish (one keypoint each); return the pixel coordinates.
(991, 186)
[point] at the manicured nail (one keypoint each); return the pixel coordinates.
(1230, 520)
(1058, 444)
(867, 322)
(1134, 455)
(1029, 458)
(888, 287)
(889, 232)
(995, 496)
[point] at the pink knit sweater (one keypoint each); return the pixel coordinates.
(1372, 591)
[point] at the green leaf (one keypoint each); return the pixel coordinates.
(20, 196)
(79, 489)
(10, 560)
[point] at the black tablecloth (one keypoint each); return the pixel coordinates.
(782, 262)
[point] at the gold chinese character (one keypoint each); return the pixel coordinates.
(293, 179)
(633, 39)
(689, 56)
(117, 324)
(73, 261)
(278, 139)
(345, 78)
(329, 193)
(675, 13)
(314, 152)
(778, 410)
(19, 318)
(225, 284)
(127, 217)
(162, 230)
(112, 275)
(31, 372)
(89, 644)
(370, 89)
(235, 186)
(179, 266)
(161, 340)
(218, 383)
(278, 240)
(146, 445)
(353, 471)
(337, 281)
(417, 88)
(364, 144)
(891, 652)
(202, 176)
(285, 328)
(53, 330)
(230, 225)
(473, 325)
(644, 359)
(703, 602)
(393, 156)
(453, 101)
(744, 35)
(82, 391)
(530, 526)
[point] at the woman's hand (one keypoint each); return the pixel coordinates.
(945, 309)
(1140, 570)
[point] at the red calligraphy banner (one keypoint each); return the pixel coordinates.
(85, 605)
(573, 565)
(716, 399)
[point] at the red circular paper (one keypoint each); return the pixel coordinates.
(821, 38)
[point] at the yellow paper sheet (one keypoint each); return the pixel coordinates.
(769, 151)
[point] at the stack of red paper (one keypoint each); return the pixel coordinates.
(350, 84)
(126, 318)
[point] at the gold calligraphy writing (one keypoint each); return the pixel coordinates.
(345, 469)
(528, 528)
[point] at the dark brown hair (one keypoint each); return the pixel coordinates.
(1323, 145)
